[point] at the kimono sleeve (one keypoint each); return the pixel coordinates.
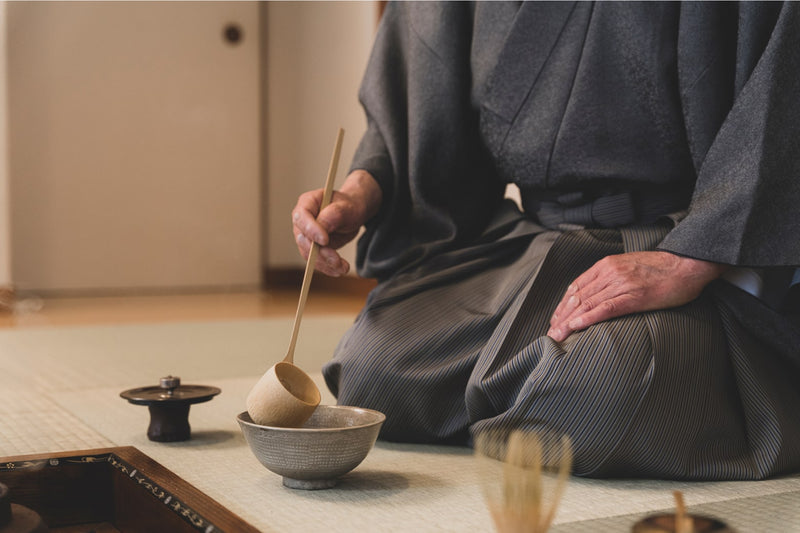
(746, 203)
(422, 144)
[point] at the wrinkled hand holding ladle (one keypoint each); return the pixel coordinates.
(286, 396)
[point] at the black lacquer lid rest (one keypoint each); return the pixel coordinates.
(169, 403)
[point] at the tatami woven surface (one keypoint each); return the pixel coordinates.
(59, 390)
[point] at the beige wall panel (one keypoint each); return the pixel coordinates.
(316, 53)
(134, 145)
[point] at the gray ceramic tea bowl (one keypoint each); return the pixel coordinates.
(334, 441)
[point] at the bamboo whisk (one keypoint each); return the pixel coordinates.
(534, 475)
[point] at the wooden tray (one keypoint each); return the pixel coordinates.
(112, 490)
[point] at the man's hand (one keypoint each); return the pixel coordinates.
(356, 202)
(629, 283)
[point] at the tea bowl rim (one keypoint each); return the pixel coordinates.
(244, 419)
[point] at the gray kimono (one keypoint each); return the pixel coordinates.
(627, 127)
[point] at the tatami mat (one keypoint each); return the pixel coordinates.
(31, 422)
(59, 390)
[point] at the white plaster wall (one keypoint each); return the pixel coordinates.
(5, 224)
(316, 53)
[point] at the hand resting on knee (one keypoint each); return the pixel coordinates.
(628, 283)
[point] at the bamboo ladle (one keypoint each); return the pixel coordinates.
(286, 396)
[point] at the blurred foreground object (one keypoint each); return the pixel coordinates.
(523, 475)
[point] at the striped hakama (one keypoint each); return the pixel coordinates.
(460, 345)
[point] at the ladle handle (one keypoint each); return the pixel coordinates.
(312, 254)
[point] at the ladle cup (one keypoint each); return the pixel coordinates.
(285, 396)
